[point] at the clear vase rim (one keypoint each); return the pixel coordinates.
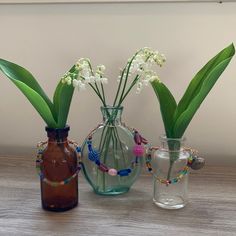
(165, 139)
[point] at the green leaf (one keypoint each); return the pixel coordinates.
(167, 105)
(197, 82)
(62, 100)
(17, 73)
(38, 102)
(202, 89)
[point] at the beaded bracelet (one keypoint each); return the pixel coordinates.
(138, 151)
(192, 162)
(39, 162)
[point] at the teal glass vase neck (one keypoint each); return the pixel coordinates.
(111, 115)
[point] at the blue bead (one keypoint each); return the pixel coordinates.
(97, 162)
(124, 172)
(93, 155)
(90, 148)
(78, 149)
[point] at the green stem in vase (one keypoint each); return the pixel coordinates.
(174, 151)
(105, 153)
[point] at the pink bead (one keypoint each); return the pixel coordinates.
(138, 150)
(112, 172)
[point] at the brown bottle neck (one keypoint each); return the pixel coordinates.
(57, 140)
(57, 135)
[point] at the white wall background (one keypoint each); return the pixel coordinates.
(48, 39)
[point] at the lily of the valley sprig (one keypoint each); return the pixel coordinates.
(141, 67)
(87, 76)
(177, 117)
(137, 72)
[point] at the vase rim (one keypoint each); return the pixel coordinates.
(164, 138)
(112, 107)
(58, 134)
(49, 129)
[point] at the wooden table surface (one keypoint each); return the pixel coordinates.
(211, 210)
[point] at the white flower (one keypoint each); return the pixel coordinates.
(100, 69)
(138, 90)
(85, 72)
(136, 64)
(146, 82)
(75, 83)
(140, 85)
(134, 67)
(97, 77)
(155, 77)
(92, 79)
(104, 80)
(81, 86)
(67, 80)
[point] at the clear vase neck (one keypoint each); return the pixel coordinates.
(112, 114)
(172, 144)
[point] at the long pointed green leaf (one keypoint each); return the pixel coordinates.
(185, 118)
(38, 102)
(167, 105)
(197, 82)
(17, 73)
(62, 100)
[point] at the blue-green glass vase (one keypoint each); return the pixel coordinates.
(109, 163)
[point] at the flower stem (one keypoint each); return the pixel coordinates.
(127, 92)
(103, 94)
(118, 90)
(99, 95)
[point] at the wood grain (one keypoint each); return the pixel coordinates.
(211, 211)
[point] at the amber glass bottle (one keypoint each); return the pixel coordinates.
(59, 162)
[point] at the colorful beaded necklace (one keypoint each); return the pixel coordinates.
(181, 173)
(138, 151)
(39, 162)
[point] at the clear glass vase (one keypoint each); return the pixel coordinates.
(111, 159)
(170, 174)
